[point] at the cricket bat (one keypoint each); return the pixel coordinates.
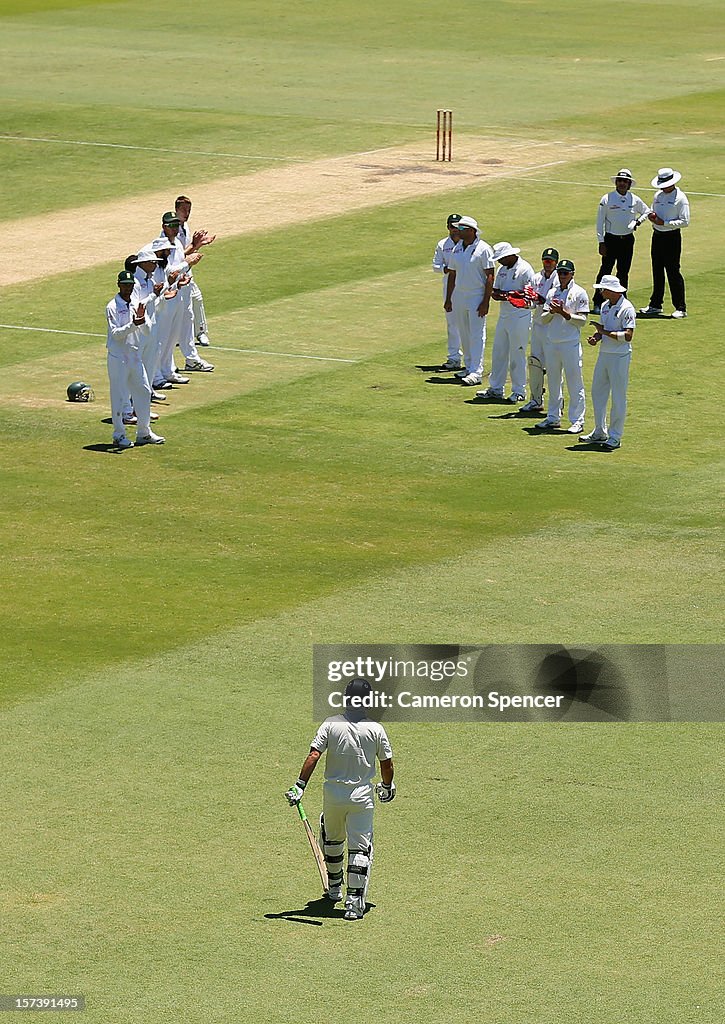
(316, 851)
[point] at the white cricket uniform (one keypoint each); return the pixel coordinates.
(512, 330)
(173, 320)
(150, 341)
(563, 351)
(352, 748)
(126, 373)
(183, 319)
(539, 331)
(440, 263)
(611, 373)
(471, 265)
(616, 212)
(197, 299)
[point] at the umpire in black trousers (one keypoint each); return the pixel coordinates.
(670, 214)
(619, 215)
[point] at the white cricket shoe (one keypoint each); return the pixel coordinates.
(470, 379)
(122, 442)
(203, 339)
(514, 398)
(130, 420)
(575, 428)
(150, 438)
(548, 424)
(177, 378)
(532, 406)
(156, 396)
(198, 365)
(593, 438)
(679, 314)
(489, 393)
(354, 908)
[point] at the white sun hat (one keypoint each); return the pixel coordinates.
(666, 177)
(623, 173)
(610, 283)
(502, 249)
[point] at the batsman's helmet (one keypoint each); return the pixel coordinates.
(79, 391)
(358, 687)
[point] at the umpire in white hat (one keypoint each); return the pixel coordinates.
(670, 214)
(619, 215)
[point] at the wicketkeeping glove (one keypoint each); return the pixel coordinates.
(295, 793)
(385, 793)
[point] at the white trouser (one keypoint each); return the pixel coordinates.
(126, 376)
(175, 324)
(184, 324)
(197, 305)
(566, 356)
(509, 353)
(611, 374)
(471, 330)
(150, 349)
(454, 338)
(348, 814)
(537, 361)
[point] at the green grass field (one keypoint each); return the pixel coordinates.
(161, 605)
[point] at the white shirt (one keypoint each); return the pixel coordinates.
(618, 317)
(123, 333)
(440, 259)
(351, 749)
(543, 286)
(673, 208)
(514, 279)
(470, 266)
(576, 302)
(616, 212)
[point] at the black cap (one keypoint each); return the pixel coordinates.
(170, 218)
(126, 277)
(550, 254)
(566, 265)
(453, 218)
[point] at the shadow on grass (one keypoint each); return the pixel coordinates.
(591, 446)
(436, 368)
(447, 380)
(107, 449)
(321, 908)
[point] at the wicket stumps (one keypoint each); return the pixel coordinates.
(444, 134)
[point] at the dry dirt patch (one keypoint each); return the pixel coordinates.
(74, 240)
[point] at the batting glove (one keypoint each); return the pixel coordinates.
(295, 793)
(385, 793)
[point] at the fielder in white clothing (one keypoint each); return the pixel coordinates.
(202, 237)
(565, 311)
(611, 374)
(126, 326)
(468, 294)
(544, 281)
(513, 278)
(353, 743)
(180, 258)
(441, 266)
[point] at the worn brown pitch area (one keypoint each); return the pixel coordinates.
(76, 239)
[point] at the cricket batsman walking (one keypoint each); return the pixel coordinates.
(353, 742)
